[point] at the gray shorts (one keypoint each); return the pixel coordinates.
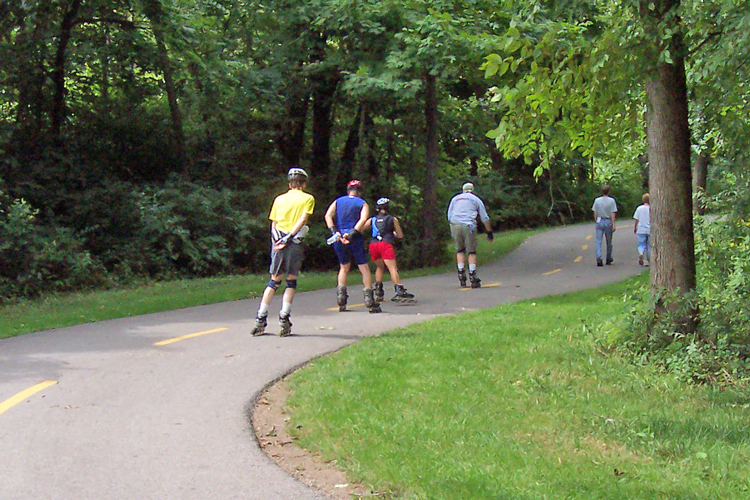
(288, 260)
(464, 238)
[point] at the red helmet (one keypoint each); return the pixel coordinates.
(354, 184)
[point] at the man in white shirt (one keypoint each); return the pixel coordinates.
(605, 212)
(462, 216)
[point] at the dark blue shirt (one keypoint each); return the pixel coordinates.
(348, 211)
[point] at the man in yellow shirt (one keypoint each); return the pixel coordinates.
(289, 214)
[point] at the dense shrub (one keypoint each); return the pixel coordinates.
(36, 259)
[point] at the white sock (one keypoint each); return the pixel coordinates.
(286, 309)
(262, 309)
(461, 266)
(472, 268)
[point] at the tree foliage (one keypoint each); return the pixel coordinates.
(197, 104)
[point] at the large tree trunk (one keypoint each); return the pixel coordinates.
(58, 72)
(430, 243)
(155, 14)
(673, 253)
(700, 175)
(291, 137)
(324, 90)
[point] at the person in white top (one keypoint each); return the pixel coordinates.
(605, 211)
(642, 229)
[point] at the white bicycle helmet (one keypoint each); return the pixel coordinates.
(383, 203)
(296, 173)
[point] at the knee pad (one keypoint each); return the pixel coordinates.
(463, 250)
(291, 283)
(274, 284)
(472, 253)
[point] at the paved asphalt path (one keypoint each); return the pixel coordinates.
(123, 418)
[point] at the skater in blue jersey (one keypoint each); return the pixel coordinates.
(347, 217)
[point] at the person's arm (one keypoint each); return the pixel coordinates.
(367, 225)
(490, 234)
(364, 216)
(329, 217)
(635, 226)
(298, 225)
(485, 218)
(613, 215)
(397, 229)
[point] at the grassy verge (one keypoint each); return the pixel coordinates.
(74, 309)
(519, 402)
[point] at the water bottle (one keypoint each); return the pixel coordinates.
(334, 238)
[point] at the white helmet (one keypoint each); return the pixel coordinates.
(296, 173)
(383, 203)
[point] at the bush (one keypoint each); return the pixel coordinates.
(200, 231)
(36, 258)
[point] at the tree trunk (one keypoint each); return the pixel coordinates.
(291, 137)
(155, 14)
(430, 243)
(673, 254)
(58, 72)
(349, 154)
(324, 90)
(369, 137)
(174, 108)
(700, 174)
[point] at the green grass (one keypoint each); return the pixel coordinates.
(518, 402)
(73, 309)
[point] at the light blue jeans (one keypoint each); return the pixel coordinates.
(604, 230)
(643, 246)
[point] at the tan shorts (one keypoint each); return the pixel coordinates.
(464, 238)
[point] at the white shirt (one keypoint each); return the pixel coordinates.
(643, 216)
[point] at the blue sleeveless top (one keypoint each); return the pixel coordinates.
(348, 210)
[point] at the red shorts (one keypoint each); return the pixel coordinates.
(382, 250)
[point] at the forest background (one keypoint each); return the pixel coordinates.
(145, 139)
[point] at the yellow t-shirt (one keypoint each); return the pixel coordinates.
(287, 208)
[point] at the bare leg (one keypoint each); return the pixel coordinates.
(366, 276)
(379, 269)
(393, 269)
(461, 258)
(343, 273)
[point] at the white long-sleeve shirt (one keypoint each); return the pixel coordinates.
(464, 208)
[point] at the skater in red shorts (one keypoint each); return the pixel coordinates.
(385, 230)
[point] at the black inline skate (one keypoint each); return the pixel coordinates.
(341, 298)
(462, 278)
(402, 295)
(260, 325)
(285, 325)
(370, 303)
(475, 281)
(379, 292)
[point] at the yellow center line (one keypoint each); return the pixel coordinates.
(579, 258)
(585, 247)
(10, 403)
(489, 285)
(348, 306)
(190, 336)
(588, 237)
(551, 272)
